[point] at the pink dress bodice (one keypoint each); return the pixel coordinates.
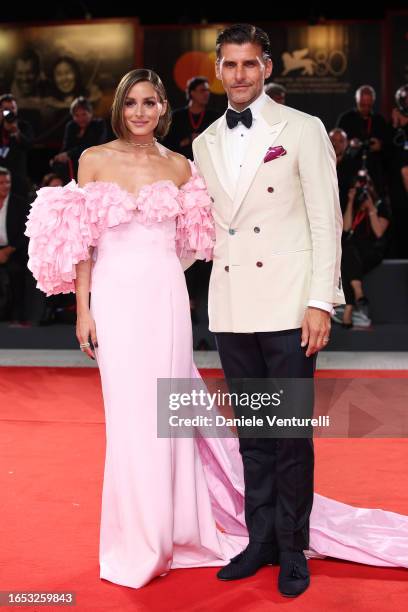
(65, 221)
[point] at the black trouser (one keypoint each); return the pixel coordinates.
(358, 258)
(278, 473)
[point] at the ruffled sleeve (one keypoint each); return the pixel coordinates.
(58, 228)
(195, 229)
(64, 222)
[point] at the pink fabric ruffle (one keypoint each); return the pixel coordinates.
(195, 236)
(64, 222)
(59, 235)
(158, 202)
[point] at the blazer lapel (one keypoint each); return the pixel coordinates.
(266, 130)
(216, 149)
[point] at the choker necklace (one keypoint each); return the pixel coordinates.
(142, 145)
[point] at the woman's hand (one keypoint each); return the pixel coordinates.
(368, 204)
(351, 195)
(85, 329)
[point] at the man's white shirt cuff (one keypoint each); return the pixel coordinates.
(323, 305)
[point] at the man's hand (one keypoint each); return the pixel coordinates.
(4, 255)
(61, 157)
(398, 119)
(316, 327)
(10, 127)
(375, 145)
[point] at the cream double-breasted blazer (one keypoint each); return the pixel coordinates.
(278, 228)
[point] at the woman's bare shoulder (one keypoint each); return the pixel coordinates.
(181, 165)
(99, 151)
(91, 160)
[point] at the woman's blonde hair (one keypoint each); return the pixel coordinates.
(131, 78)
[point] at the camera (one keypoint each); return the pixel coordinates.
(9, 116)
(360, 146)
(361, 186)
(401, 100)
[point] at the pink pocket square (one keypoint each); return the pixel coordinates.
(273, 153)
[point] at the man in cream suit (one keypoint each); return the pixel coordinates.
(271, 173)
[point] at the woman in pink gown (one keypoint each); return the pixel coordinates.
(126, 236)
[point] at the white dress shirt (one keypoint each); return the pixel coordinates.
(236, 141)
(3, 217)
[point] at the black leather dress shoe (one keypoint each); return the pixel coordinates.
(294, 577)
(249, 561)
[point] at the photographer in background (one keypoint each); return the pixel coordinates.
(189, 121)
(16, 138)
(365, 221)
(347, 165)
(82, 132)
(368, 134)
(398, 173)
(13, 252)
(276, 91)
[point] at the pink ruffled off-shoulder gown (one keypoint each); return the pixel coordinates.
(166, 502)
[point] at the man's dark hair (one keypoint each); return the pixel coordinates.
(4, 171)
(241, 33)
(82, 103)
(193, 83)
(7, 97)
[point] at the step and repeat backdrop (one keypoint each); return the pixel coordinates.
(47, 66)
(320, 66)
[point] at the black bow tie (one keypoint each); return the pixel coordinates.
(233, 118)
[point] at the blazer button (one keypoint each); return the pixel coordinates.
(257, 230)
(231, 231)
(271, 189)
(226, 268)
(259, 264)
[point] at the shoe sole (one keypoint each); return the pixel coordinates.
(247, 575)
(292, 595)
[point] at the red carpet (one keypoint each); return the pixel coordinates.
(52, 451)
